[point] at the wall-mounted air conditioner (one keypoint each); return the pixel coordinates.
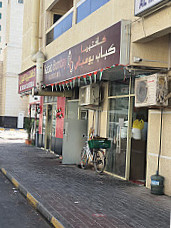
(151, 90)
(89, 95)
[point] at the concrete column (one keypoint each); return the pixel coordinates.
(35, 26)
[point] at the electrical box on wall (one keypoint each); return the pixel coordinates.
(89, 95)
(151, 90)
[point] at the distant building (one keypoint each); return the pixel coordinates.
(11, 30)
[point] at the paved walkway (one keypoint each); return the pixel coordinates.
(82, 198)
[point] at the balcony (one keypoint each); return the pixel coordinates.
(59, 27)
(87, 7)
(83, 9)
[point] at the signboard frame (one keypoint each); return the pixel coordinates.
(148, 6)
(99, 51)
(27, 80)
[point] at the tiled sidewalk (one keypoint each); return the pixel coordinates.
(82, 198)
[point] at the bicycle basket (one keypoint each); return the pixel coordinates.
(99, 143)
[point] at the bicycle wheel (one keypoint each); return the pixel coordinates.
(99, 161)
(84, 159)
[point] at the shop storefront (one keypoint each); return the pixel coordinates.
(51, 123)
(26, 82)
(127, 155)
(82, 70)
(33, 112)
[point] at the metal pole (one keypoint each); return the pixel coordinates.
(161, 126)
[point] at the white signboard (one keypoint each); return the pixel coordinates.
(144, 6)
(20, 123)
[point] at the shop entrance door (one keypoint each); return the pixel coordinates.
(73, 140)
(118, 128)
(48, 127)
(42, 142)
(139, 145)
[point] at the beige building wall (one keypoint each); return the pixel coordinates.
(103, 125)
(153, 147)
(153, 53)
(104, 17)
(26, 42)
(150, 38)
(150, 41)
(152, 26)
(109, 14)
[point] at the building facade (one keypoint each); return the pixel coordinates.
(88, 57)
(11, 106)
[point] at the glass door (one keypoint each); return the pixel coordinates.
(54, 120)
(53, 130)
(44, 125)
(117, 132)
(49, 126)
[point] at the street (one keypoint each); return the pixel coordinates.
(15, 211)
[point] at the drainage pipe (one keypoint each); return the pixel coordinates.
(36, 55)
(35, 26)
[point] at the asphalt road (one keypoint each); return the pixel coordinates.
(15, 210)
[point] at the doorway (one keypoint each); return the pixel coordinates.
(48, 127)
(127, 156)
(75, 128)
(118, 127)
(139, 145)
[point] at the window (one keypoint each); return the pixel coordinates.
(56, 17)
(87, 7)
(20, 1)
(0, 27)
(0, 15)
(0, 4)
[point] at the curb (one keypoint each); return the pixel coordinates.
(11, 129)
(35, 203)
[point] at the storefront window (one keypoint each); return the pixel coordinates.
(119, 88)
(45, 99)
(118, 127)
(54, 120)
(50, 99)
(54, 99)
(44, 119)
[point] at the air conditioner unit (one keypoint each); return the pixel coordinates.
(89, 95)
(151, 90)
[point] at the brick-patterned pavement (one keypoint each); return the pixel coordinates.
(81, 198)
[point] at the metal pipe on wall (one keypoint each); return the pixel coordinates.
(36, 55)
(35, 26)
